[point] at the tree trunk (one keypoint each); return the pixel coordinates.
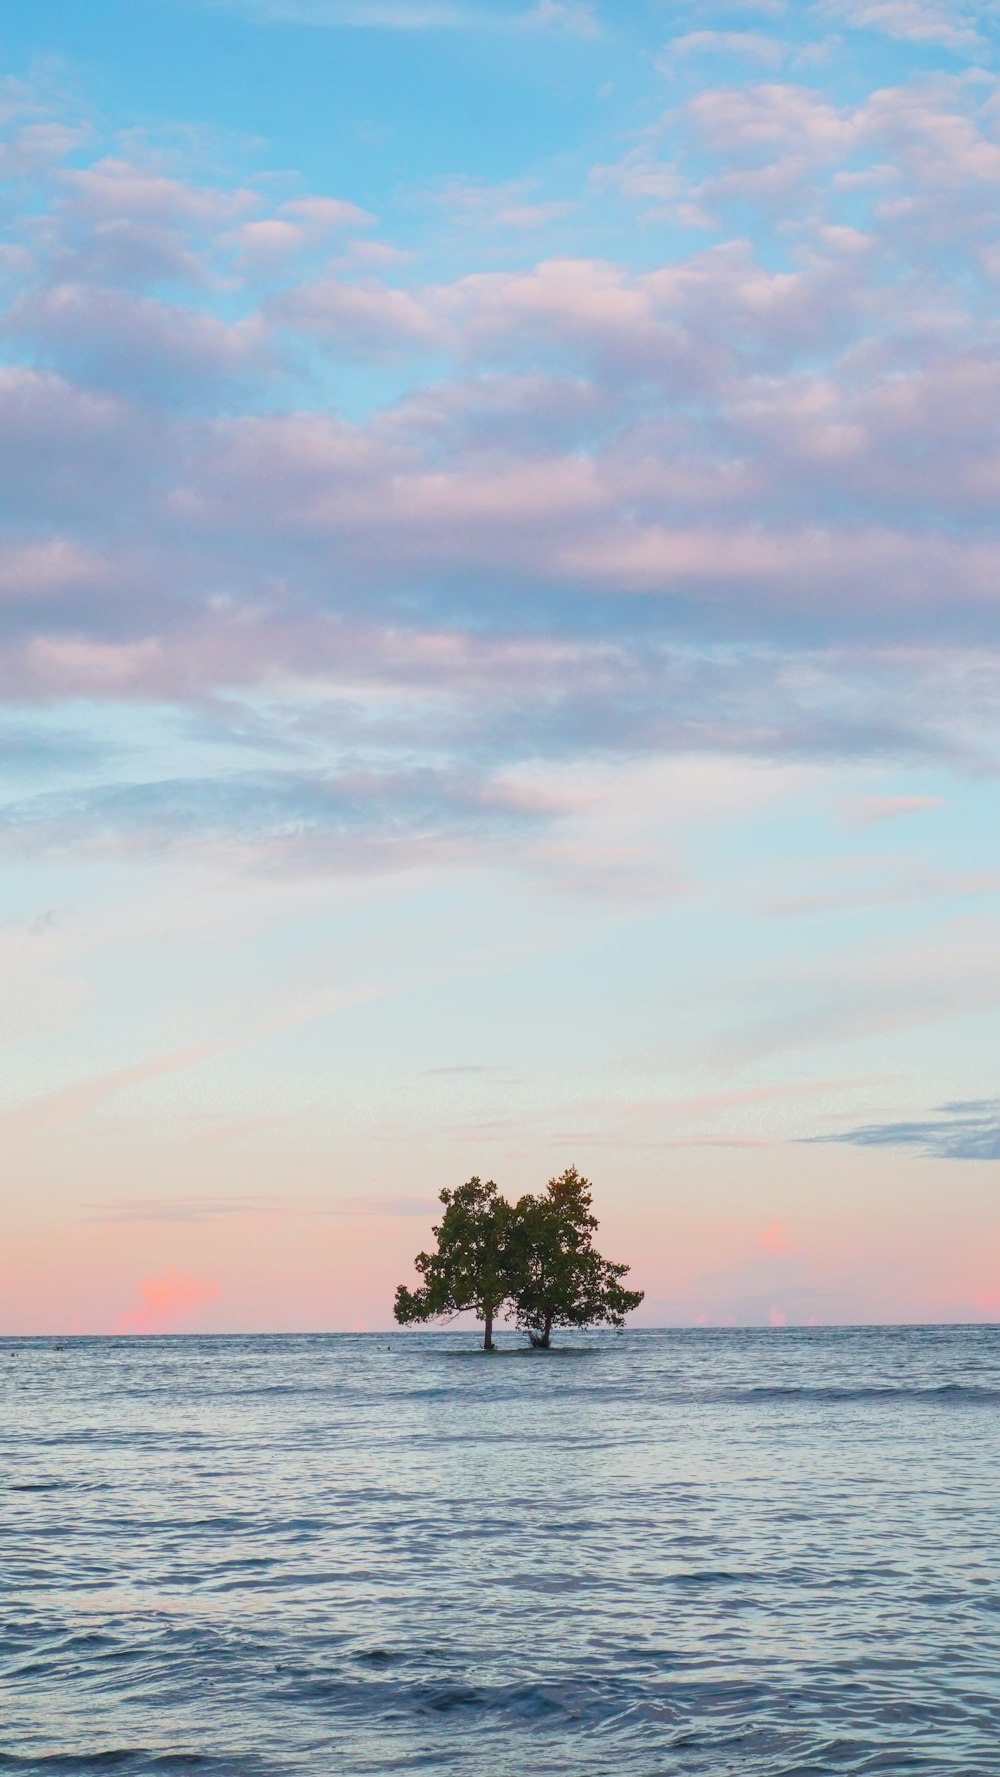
(488, 1334)
(547, 1338)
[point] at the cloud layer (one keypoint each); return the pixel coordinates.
(376, 522)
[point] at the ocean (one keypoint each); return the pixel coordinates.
(736, 1554)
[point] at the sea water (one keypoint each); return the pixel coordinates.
(663, 1553)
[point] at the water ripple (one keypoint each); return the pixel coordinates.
(667, 1555)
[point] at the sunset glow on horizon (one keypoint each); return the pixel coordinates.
(500, 563)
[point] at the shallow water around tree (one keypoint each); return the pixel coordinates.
(666, 1553)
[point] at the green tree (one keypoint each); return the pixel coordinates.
(559, 1279)
(471, 1267)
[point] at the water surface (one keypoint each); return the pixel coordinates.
(766, 1554)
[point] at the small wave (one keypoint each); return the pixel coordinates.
(463, 1353)
(113, 1759)
(555, 1703)
(135, 1761)
(947, 1393)
(702, 1554)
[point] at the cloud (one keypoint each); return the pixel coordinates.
(938, 22)
(512, 205)
(771, 119)
(380, 1206)
(866, 812)
(461, 1068)
(124, 223)
(579, 17)
(575, 16)
(112, 189)
(49, 1110)
(365, 315)
(382, 15)
(900, 886)
(166, 1303)
(134, 343)
(754, 45)
(34, 148)
(773, 1238)
(190, 1210)
(737, 495)
(297, 227)
(181, 1210)
(867, 994)
(360, 820)
(962, 1130)
(640, 178)
(37, 574)
(38, 748)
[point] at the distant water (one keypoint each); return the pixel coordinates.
(758, 1554)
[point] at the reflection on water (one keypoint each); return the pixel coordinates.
(664, 1554)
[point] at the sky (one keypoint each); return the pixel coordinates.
(498, 650)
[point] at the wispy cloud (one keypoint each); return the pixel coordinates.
(948, 24)
(462, 1068)
(359, 820)
(67, 1103)
(211, 1209)
(755, 46)
(870, 811)
(961, 1130)
(417, 15)
(180, 1209)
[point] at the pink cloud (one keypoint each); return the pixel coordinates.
(114, 187)
(912, 21)
(593, 304)
(324, 215)
(40, 572)
(136, 340)
(773, 1238)
(505, 206)
(270, 237)
(755, 45)
(67, 1103)
(559, 462)
(61, 444)
(166, 1302)
(771, 118)
(37, 147)
(939, 136)
(642, 179)
(871, 811)
(364, 313)
(301, 223)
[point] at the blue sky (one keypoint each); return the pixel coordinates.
(498, 647)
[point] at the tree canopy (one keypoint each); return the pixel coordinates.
(560, 1280)
(471, 1267)
(535, 1260)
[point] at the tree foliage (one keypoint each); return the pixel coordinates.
(536, 1260)
(471, 1267)
(560, 1280)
